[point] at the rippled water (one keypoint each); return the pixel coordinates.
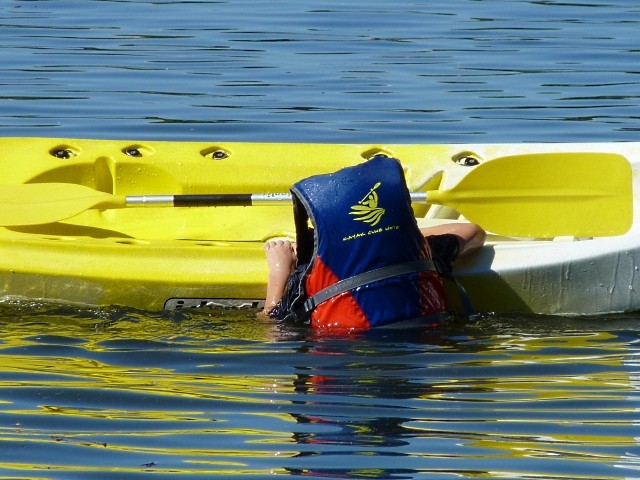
(384, 70)
(116, 393)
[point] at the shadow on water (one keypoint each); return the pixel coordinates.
(85, 393)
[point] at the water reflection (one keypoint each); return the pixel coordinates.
(215, 393)
(451, 415)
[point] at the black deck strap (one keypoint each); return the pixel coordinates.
(364, 279)
(446, 272)
(469, 312)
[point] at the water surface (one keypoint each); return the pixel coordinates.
(92, 394)
(392, 71)
(117, 393)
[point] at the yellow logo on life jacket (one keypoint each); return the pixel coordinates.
(367, 210)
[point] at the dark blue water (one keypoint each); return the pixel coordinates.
(117, 393)
(391, 71)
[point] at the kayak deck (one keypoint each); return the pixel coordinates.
(168, 257)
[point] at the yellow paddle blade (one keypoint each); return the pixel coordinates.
(546, 195)
(35, 203)
(533, 195)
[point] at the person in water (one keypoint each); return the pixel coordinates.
(364, 262)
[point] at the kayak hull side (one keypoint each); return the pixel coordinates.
(156, 258)
(587, 277)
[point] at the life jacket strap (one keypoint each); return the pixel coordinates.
(362, 279)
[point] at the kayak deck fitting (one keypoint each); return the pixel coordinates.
(178, 257)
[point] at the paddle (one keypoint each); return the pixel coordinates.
(532, 195)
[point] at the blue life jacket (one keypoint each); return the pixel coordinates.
(368, 263)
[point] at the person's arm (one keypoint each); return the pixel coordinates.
(281, 257)
(470, 236)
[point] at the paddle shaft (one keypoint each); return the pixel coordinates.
(224, 200)
(543, 195)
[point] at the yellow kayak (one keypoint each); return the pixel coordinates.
(75, 228)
